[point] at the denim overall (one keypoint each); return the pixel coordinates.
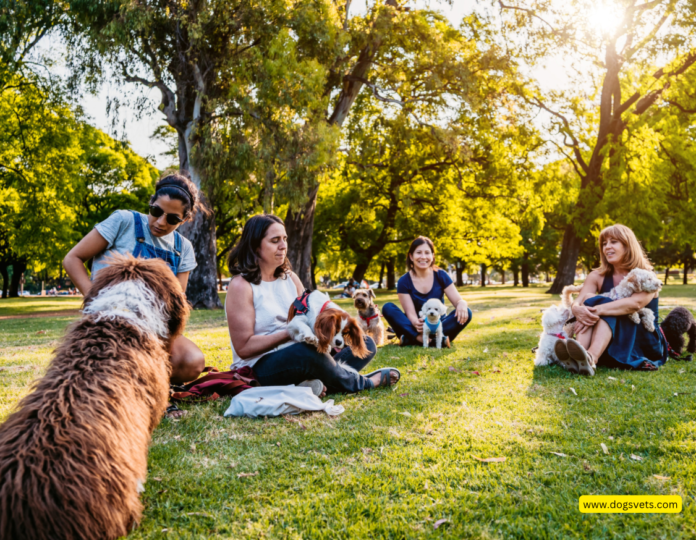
(148, 251)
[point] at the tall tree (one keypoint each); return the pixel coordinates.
(628, 36)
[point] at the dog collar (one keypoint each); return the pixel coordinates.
(324, 306)
(368, 319)
(300, 304)
(559, 336)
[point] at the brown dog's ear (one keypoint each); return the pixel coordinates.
(325, 329)
(291, 312)
(372, 293)
(356, 338)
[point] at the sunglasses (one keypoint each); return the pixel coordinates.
(157, 212)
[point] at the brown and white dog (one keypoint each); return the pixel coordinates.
(369, 317)
(73, 456)
(326, 325)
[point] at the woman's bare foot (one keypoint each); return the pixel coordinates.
(376, 378)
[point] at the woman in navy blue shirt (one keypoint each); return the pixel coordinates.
(422, 282)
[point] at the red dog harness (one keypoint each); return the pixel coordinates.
(559, 336)
(368, 319)
(301, 304)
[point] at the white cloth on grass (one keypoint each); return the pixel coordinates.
(279, 400)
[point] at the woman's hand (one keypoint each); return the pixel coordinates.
(418, 323)
(586, 316)
(462, 312)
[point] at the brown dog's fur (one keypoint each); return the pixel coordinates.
(74, 453)
(363, 300)
(329, 323)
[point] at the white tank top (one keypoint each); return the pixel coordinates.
(272, 300)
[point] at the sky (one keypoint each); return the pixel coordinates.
(138, 131)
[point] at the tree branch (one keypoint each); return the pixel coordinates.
(531, 13)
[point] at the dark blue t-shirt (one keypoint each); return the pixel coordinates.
(441, 281)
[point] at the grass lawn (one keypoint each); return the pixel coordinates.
(400, 460)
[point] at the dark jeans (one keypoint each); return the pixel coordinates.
(398, 320)
(300, 362)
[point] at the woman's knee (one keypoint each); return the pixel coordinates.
(371, 347)
(187, 360)
(389, 307)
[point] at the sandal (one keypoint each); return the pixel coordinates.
(564, 359)
(583, 358)
(315, 385)
(384, 375)
(647, 366)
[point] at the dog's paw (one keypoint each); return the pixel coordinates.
(310, 338)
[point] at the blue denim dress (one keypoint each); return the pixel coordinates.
(148, 251)
(631, 344)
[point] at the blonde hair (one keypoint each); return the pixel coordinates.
(634, 257)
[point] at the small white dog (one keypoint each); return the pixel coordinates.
(553, 321)
(432, 312)
(637, 280)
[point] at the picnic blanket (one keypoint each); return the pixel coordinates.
(279, 400)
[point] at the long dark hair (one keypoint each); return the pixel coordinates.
(177, 186)
(243, 260)
(414, 246)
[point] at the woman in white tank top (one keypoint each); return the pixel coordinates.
(259, 297)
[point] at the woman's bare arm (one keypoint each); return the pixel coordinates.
(298, 284)
(74, 263)
(241, 316)
(625, 306)
(585, 316)
(407, 303)
(458, 302)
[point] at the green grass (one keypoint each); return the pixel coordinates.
(398, 460)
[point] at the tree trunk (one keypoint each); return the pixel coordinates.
(525, 270)
(381, 274)
(299, 227)
(570, 251)
(313, 272)
(460, 272)
(502, 276)
(483, 275)
(391, 279)
(5, 279)
(18, 268)
(666, 274)
(359, 272)
(686, 271)
(548, 279)
(201, 291)
(516, 275)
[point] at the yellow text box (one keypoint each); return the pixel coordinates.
(630, 504)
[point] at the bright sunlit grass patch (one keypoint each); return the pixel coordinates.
(401, 460)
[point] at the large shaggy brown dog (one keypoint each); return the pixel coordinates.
(73, 456)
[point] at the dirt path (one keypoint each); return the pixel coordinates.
(43, 314)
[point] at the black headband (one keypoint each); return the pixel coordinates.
(180, 188)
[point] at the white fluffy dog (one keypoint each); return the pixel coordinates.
(637, 280)
(553, 321)
(432, 312)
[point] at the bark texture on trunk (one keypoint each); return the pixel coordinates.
(391, 277)
(300, 227)
(484, 268)
(202, 285)
(567, 262)
(516, 275)
(666, 274)
(18, 268)
(460, 274)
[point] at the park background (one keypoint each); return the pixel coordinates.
(508, 133)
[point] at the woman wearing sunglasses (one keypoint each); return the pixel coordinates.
(152, 236)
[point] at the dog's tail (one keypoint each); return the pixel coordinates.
(567, 294)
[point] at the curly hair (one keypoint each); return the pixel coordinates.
(243, 260)
(178, 186)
